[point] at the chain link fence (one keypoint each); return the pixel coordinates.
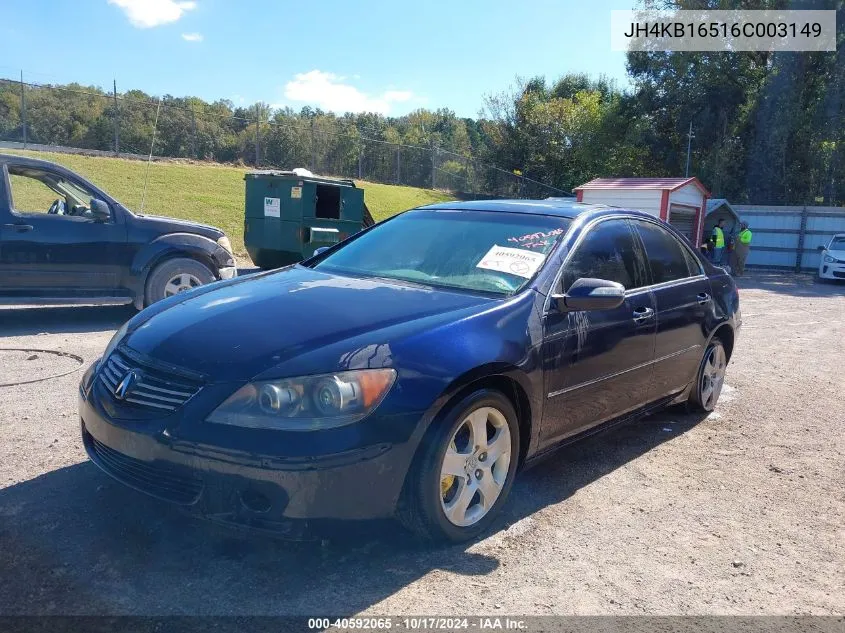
(124, 124)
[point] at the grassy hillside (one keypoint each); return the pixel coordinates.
(209, 193)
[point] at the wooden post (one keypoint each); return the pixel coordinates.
(23, 110)
(116, 120)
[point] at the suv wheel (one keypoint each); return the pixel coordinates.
(174, 276)
(464, 471)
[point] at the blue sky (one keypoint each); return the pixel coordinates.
(386, 56)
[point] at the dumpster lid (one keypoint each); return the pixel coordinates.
(287, 174)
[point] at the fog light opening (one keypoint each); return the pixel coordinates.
(255, 501)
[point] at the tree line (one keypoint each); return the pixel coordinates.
(768, 128)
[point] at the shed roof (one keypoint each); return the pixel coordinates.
(654, 184)
(715, 204)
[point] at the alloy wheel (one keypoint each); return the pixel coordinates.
(180, 283)
(475, 466)
(712, 377)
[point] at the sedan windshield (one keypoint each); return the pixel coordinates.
(837, 244)
(472, 250)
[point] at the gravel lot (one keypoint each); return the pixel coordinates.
(741, 512)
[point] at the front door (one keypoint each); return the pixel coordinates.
(598, 363)
(682, 295)
(51, 244)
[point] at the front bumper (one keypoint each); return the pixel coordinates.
(281, 495)
(834, 270)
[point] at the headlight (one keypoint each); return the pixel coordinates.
(306, 403)
(828, 258)
(225, 244)
(115, 340)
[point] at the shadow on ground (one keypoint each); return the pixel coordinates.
(32, 320)
(797, 285)
(72, 541)
(26, 321)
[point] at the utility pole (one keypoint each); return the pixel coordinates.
(361, 163)
(690, 136)
(193, 132)
(256, 137)
(313, 149)
(398, 164)
(116, 121)
(433, 165)
(23, 110)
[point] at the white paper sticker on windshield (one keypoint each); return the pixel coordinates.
(515, 261)
(272, 207)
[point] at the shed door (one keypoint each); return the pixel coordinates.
(683, 219)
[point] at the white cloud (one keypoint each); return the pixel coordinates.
(148, 13)
(192, 37)
(331, 92)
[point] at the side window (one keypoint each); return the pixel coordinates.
(30, 195)
(693, 264)
(607, 252)
(667, 258)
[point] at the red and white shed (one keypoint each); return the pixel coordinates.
(679, 201)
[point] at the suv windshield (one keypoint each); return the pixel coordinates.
(473, 250)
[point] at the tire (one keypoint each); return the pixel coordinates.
(161, 282)
(710, 378)
(432, 500)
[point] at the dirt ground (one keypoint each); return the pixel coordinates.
(741, 512)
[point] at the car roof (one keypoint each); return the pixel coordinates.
(14, 160)
(558, 207)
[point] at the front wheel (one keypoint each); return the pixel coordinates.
(174, 276)
(710, 377)
(464, 471)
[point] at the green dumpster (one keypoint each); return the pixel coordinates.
(288, 216)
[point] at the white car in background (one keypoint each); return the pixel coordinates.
(832, 263)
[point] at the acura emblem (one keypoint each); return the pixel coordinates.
(125, 385)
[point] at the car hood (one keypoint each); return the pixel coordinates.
(242, 329)
(172, 225)
(840, 255)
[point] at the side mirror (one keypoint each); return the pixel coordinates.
(317, 251)
(100, 210)
(591, 294)
(822, 248)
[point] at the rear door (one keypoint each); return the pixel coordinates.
(58, 254)
(598, 363)
(683, 297)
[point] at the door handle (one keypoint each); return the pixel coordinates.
(20, 228)
(703, 298)
(643, 314)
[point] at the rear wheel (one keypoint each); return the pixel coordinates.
(175, 276)
(710, 377)
(464, 471)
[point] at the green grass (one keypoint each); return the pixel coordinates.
(208, 193)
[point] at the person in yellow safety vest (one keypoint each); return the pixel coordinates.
(718, 239)
(742, 247)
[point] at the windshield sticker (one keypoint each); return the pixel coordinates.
(539, 239)
(515, 261)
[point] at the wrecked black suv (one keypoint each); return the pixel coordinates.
(64, 241)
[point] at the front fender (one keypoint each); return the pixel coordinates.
(181, 245)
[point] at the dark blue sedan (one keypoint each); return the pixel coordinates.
(411, 370)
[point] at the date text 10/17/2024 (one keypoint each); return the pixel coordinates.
(421, 623)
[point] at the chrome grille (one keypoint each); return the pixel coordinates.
(153, 388)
